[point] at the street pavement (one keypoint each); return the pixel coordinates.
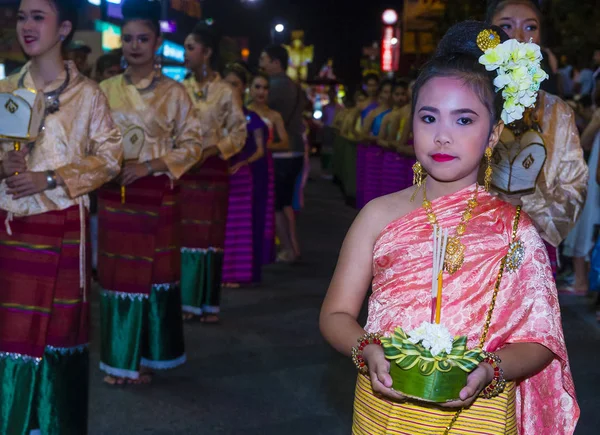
(265, 370)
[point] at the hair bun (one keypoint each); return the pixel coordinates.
(142, 9)
(461, 39)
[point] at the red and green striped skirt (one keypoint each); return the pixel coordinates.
(138, 271)
(44, 324)
(204, 207)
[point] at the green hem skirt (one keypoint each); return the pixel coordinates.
(48, 394)
(141, 330)
(201, 276)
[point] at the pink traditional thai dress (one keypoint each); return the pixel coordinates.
(526, 310)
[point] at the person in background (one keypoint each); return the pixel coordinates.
(248, 194)
(277, 141)
(108, 65)
(44, 268)
(371, 87)
(550, 182)
(78, 52)
(397, 166)
(287, 98)
(580, 241)
(369, 156)
(352, 123)
(330, 114)
(139, 263)
(205, 189)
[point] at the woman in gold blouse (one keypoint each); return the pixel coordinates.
(139, 245)
(205, 188)
(44, 268)
(539, 162)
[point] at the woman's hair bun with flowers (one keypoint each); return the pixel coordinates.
(470, 51)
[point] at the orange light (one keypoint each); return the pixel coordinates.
(245, 53)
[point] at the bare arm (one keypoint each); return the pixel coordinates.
(283, 143)
(260, 147)
(350, 283)
(589, 134)
(367, 124)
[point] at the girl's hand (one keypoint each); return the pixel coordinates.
(233, 169)
(14, 161)
(379, 371)
(133, 172)
(26, 184)
(476, 382)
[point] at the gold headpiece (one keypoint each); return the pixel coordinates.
(487, 39)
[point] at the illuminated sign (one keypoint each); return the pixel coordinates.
(387, 54)
(114, 11)
(191, 8)
(111, 35)
(111, 39)
(172, 51)
(177, 73)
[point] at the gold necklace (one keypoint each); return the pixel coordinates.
(455, 250)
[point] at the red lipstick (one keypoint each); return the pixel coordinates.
(442, 158)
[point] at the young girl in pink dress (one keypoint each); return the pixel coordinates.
(524, 385)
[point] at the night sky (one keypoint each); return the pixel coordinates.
(335, 29)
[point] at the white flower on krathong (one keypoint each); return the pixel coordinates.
(434, 337)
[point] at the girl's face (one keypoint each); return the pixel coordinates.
(259, 90)
(38, 28)
(385, 95)
(236, 84)
(140, 43)
(400, 96)
(196, 55)
(519, 21)
(451, 129)
(362, 102)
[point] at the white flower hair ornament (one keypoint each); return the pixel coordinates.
(519, 71)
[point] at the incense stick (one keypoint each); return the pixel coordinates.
(440, 242)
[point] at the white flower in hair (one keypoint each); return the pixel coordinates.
(519, 72)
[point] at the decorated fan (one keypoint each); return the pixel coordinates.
(133, 141)
(22, 113)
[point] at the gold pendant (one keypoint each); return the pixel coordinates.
(455, 255)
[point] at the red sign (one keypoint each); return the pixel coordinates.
(389, 44)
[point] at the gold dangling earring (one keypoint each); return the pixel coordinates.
(417, 174)
(488, 169)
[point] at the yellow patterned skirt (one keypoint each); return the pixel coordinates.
(375, 416)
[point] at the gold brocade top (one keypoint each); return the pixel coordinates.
(157, 120)
(79, 141)
(541, 161)
(219, 109)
